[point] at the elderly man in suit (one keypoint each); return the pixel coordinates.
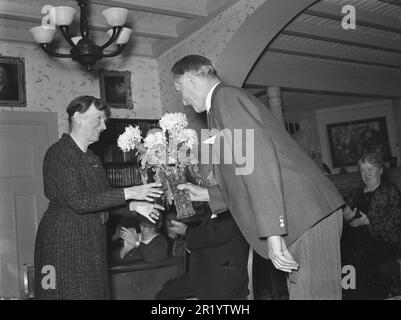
(286, 208)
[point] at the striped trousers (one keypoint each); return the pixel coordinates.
(317, 252)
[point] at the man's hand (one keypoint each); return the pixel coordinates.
(177, 227)
(197, 193)
(279, 254)
(147, 209)
(362, 221)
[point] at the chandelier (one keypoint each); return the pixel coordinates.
(83, 49)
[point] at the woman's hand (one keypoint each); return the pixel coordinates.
(363, 220)
(129, 236)
(143, 192)
(147, 209)
(348, 213)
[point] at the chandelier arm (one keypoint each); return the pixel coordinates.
(54, 53)
(115, 53)
(114, 36)
(67, 36)
(84, 25)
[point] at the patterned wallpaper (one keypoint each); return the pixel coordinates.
(209, 41)
(51, 83)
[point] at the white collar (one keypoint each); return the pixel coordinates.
(209, 97)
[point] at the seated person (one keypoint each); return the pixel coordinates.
(217, 263)
(372, 232)
(148, 245)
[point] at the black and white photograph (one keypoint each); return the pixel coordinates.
(218, 151)
(12, 81)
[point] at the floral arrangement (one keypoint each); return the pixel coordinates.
(164, 151)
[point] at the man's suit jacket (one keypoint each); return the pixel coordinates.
(218, 260)
(286, 193)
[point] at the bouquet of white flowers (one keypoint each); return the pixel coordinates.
(166, 152)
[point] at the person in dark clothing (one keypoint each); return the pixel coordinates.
(217, 263)
(71, 238)
(372, 236)
(148, 245)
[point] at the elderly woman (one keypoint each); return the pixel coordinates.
(371, 239)
(70, 247)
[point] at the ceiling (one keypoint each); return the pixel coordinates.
(316, 37)
(157, 24)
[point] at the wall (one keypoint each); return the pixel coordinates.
(51, 83)
(209, 41)
(356, 112)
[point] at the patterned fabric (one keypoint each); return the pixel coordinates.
(71, 236)
(384, 211)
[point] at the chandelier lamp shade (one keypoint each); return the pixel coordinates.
(83, 49)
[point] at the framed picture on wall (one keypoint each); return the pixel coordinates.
(115, 89)
(12, 82)
(350, 140)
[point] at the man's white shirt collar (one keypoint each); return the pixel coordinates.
(209, 97)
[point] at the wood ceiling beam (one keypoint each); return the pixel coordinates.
(339, 35)
(313, 74)
(327, 50)
(178, 8)
(363, 17)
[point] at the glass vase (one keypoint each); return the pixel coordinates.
(182, 200)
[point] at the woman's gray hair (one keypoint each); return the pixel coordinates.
(373, 158)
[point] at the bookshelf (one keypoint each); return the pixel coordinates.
(121, 168)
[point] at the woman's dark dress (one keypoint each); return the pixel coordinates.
(71, 236)
(373, 249)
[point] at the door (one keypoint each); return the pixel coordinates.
(24, 140)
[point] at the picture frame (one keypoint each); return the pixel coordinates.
(350, 140)
(12, 82)
(115, 89)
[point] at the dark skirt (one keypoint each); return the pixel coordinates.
(75, 245)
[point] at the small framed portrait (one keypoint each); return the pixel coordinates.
(115, 89)
(350, 140)
(12, 82)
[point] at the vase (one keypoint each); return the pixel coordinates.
(182, 199)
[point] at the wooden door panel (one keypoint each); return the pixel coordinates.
(24, 139)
